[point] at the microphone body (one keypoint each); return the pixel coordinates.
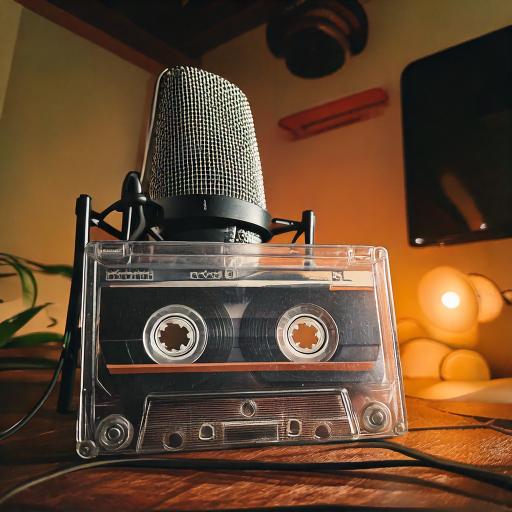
(202, 166)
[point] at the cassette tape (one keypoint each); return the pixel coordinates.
(190, 346)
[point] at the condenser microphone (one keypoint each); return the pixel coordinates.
(202, 167)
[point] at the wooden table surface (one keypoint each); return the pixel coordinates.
(48, 443)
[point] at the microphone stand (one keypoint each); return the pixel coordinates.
(82, 233)
(305, 226)
(86, 218)
(135, 207)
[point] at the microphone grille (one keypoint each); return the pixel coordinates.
(202, 139)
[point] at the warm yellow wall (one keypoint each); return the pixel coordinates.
(72, 123)
(10, 13)
(353, 176)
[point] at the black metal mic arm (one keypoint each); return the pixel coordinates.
(72, 330)
(305, 226)
(134, 226)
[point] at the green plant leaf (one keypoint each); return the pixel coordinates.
(27, 279)
(53, 321)
(10, 326)
(34, 338)
(26, 363)
(62, 270)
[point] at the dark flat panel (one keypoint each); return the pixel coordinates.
(457, 124)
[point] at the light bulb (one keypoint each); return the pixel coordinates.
(448, 299)
(451, 300)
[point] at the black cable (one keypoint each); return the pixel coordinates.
(501, 430)
(4, 434)
(487, 425)
(471, 426)
(469, 470)
(423, 460)
(172, 464)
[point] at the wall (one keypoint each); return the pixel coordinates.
(10, 19)
(353, 176)
(72, 123)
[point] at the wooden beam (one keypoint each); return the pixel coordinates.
(252, 15)
(117, 34)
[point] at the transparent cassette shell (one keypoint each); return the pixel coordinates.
(190, 346)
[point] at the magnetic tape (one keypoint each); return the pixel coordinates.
(211, 345)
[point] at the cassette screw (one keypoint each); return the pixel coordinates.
(113, 434)
(377, 418)
(85, 450)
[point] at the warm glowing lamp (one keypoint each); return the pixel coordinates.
(448, 299)
(456, 302)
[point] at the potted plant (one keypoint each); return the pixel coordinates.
(15, 353)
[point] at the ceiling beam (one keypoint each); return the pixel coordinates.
(252, 15)
(112, 31)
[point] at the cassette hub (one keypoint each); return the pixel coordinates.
(175, 334)
(307, 332)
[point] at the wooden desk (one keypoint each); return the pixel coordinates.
(48, 442)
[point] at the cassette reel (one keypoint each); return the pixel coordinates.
(264, 344)
(312, 324)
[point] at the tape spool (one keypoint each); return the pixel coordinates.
(199, 318)
(163, 318)
(287, 325)
(188, 333)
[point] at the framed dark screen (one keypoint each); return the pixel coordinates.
(457, 132)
